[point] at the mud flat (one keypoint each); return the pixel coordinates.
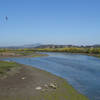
(21, 82)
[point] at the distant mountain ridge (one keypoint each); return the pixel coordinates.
(23, 46)
(38, 45)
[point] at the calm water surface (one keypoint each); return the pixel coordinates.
(81, 71)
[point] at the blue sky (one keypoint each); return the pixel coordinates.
(49, 21)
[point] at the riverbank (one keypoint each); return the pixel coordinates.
(20, 82)
(74, 50)
(20, 54)
(34, 52)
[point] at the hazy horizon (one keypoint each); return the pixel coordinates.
(22, 45)
(67, 22)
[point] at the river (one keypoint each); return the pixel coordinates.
(81, 71)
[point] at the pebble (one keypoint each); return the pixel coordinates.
(38, 88)
(23, 78)
(53, 86)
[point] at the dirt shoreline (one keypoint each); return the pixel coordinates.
(20, 54)
(21, 83)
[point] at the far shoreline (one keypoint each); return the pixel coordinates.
(41, 54)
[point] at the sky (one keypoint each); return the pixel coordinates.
(75, 22)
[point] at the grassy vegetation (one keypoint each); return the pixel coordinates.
(72, 50)
(6, 66)
(19, 53)
(88, 51)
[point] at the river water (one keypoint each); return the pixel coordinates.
(81, 71)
